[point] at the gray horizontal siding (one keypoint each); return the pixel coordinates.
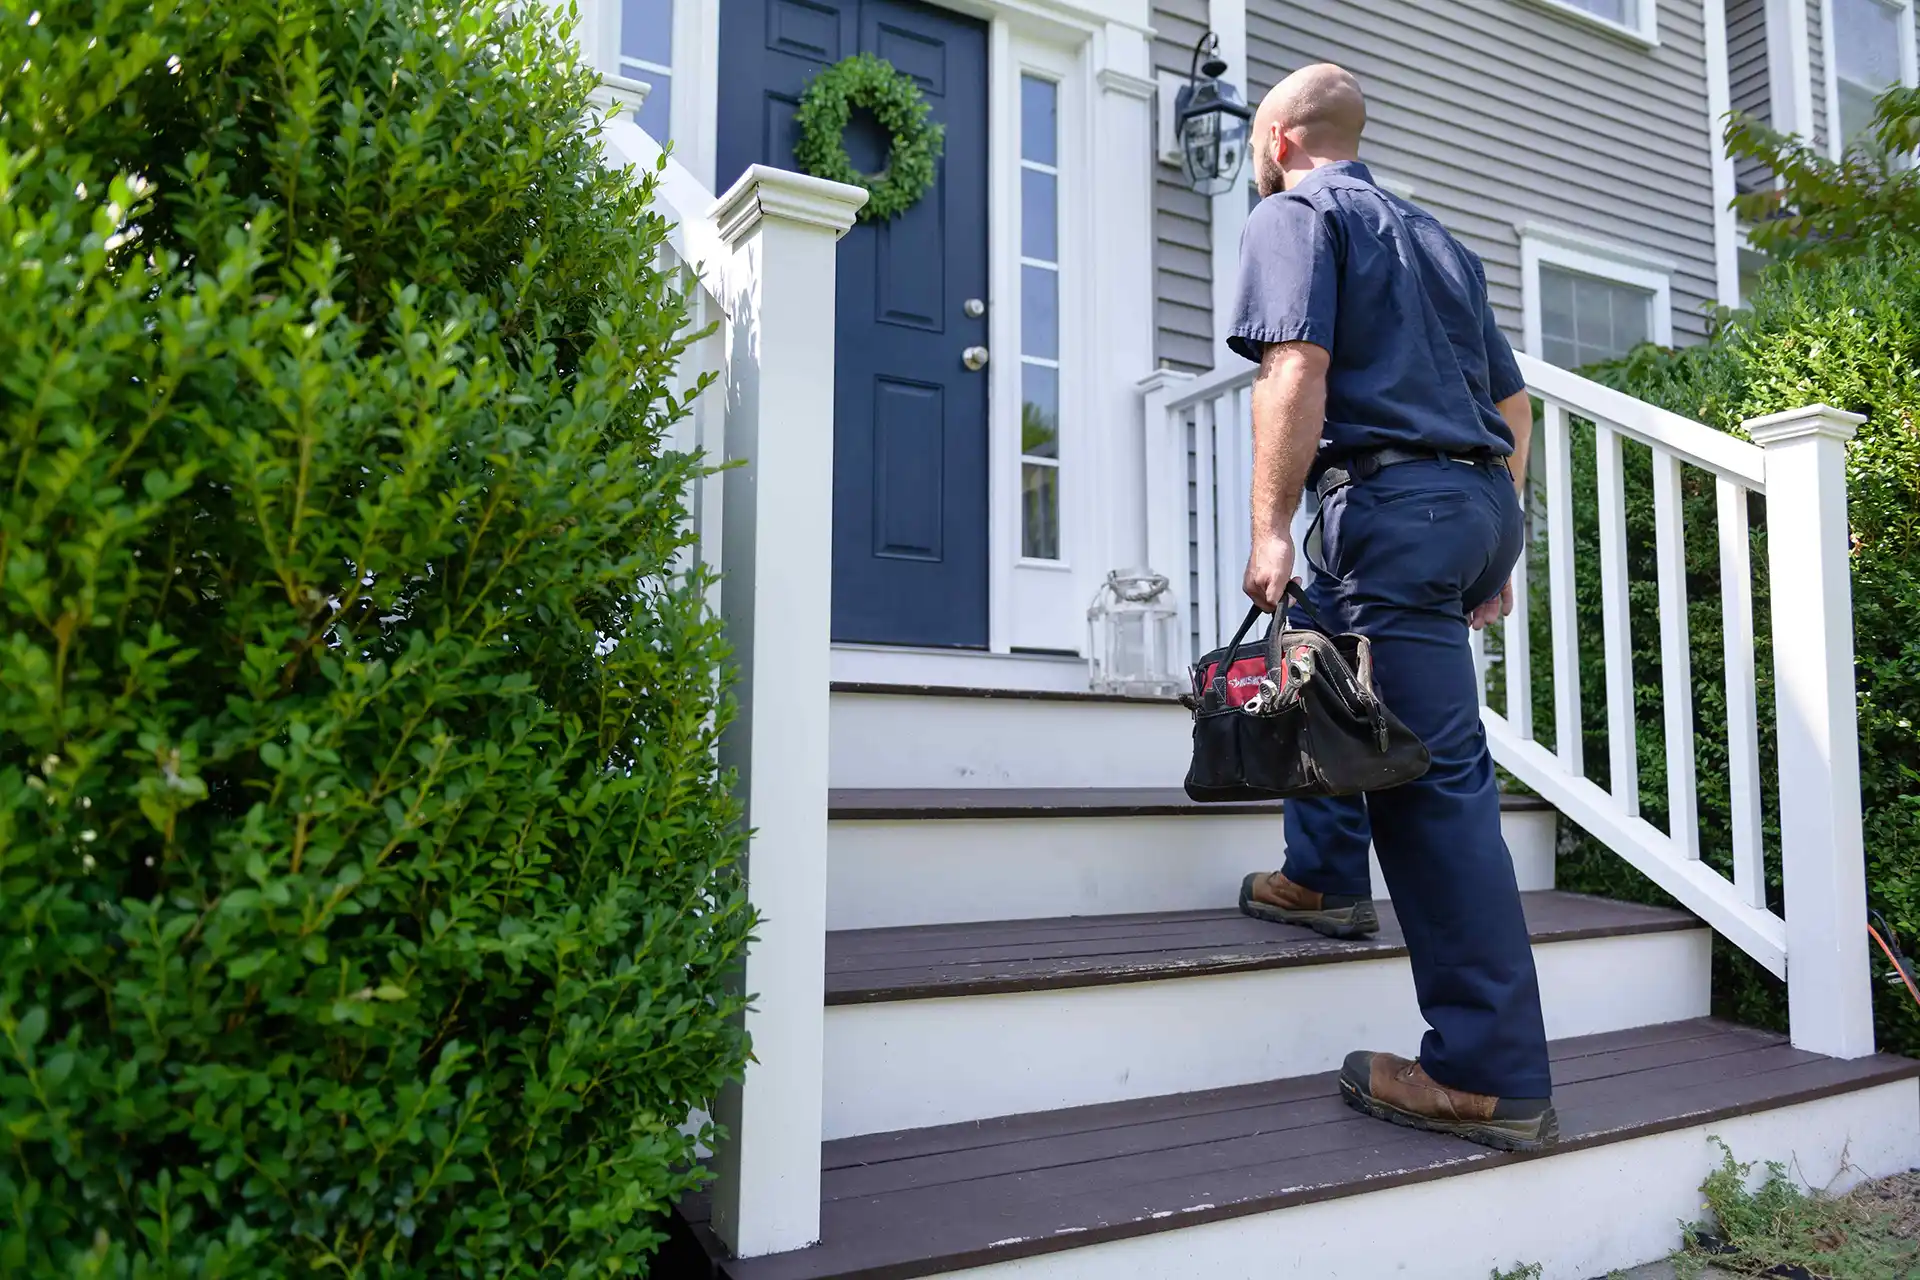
(1498, 112)
(1748, 77)
(1182, 226)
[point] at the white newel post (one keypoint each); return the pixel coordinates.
(1829, 992)
(1164, 464)
(781, 229)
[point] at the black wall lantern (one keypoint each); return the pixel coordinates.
(1210, 122)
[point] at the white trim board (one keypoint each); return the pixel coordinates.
(1585, 255)
(883, 875)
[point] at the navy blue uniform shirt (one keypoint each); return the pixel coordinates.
(1399, 304)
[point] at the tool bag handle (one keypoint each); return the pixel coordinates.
(1292, 595)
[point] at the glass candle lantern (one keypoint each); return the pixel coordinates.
(1130, 635)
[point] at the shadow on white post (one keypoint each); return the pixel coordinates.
(777, 526)
(1829, 991)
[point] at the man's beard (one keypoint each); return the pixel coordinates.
(1268, 176)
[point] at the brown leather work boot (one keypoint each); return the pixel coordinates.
(1391, 1088)
(1271, 896)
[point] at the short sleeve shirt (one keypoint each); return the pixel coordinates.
(1417, 360)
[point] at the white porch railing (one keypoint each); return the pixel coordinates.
(1198, 464)
(760, 262)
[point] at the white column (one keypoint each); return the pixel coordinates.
(1789, 67)
(1726, 245)
(1829, 996)
(1228, 18)
(1121, 345)
(1164, 463)
(781, 229)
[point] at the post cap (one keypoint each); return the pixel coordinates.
(766, 192)
(1808, 420)
(1161, 380)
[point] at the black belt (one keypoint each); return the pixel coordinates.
(1368, 463)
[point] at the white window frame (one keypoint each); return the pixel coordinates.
(1645, 33)
(1589, 256)
(1036, 614)
(1830, 56)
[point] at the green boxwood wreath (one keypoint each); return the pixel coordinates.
(895, 101)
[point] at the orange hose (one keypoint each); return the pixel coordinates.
(1897, 966)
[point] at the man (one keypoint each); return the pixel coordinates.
(1385, 384)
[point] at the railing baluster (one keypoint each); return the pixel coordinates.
(1477, 645)
(1518, 658)
(1616, 637)
(1203, 506)
(1232, 509)
(1676, 661)
(1566, 634)
(1743, 720)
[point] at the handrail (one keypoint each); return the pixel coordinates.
(1726, 456)
(1210, 384)
(694, 235)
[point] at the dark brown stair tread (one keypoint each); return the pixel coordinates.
(932, 1200)
(875, 689)
(927, 961)
(898, 804)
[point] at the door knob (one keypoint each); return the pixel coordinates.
(975, 358)
(974, 308)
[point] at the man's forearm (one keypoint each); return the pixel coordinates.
(1289, 409)
(1517, 409)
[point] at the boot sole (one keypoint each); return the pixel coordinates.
(1504, 1135)
(1348, 924)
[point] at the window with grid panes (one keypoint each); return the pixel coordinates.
(1039, 319)
(1584, 319)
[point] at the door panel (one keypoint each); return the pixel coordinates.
(910, 420)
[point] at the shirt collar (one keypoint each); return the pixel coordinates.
(1342, 168)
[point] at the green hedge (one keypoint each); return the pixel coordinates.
(367, 888)
(1847, 334)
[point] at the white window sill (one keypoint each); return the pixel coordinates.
(1646, 36)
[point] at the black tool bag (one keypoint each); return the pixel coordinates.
(1295, 714)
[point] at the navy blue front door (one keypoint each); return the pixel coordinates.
(910, 419)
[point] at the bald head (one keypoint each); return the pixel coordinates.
(1318, 113)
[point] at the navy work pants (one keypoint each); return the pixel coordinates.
(1407, 553)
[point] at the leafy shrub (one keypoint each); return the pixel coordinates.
(367, 888)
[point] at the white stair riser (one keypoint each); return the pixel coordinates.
(882, 874)
(1580, 1214)
(910, 1063)
(894, 740)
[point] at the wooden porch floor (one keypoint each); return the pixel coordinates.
(991, 957)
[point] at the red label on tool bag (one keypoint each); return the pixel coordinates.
(1243, 679)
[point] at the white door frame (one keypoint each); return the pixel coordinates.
(1098, 52)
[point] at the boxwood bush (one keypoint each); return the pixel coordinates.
(1835, 320)
(368, 898)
